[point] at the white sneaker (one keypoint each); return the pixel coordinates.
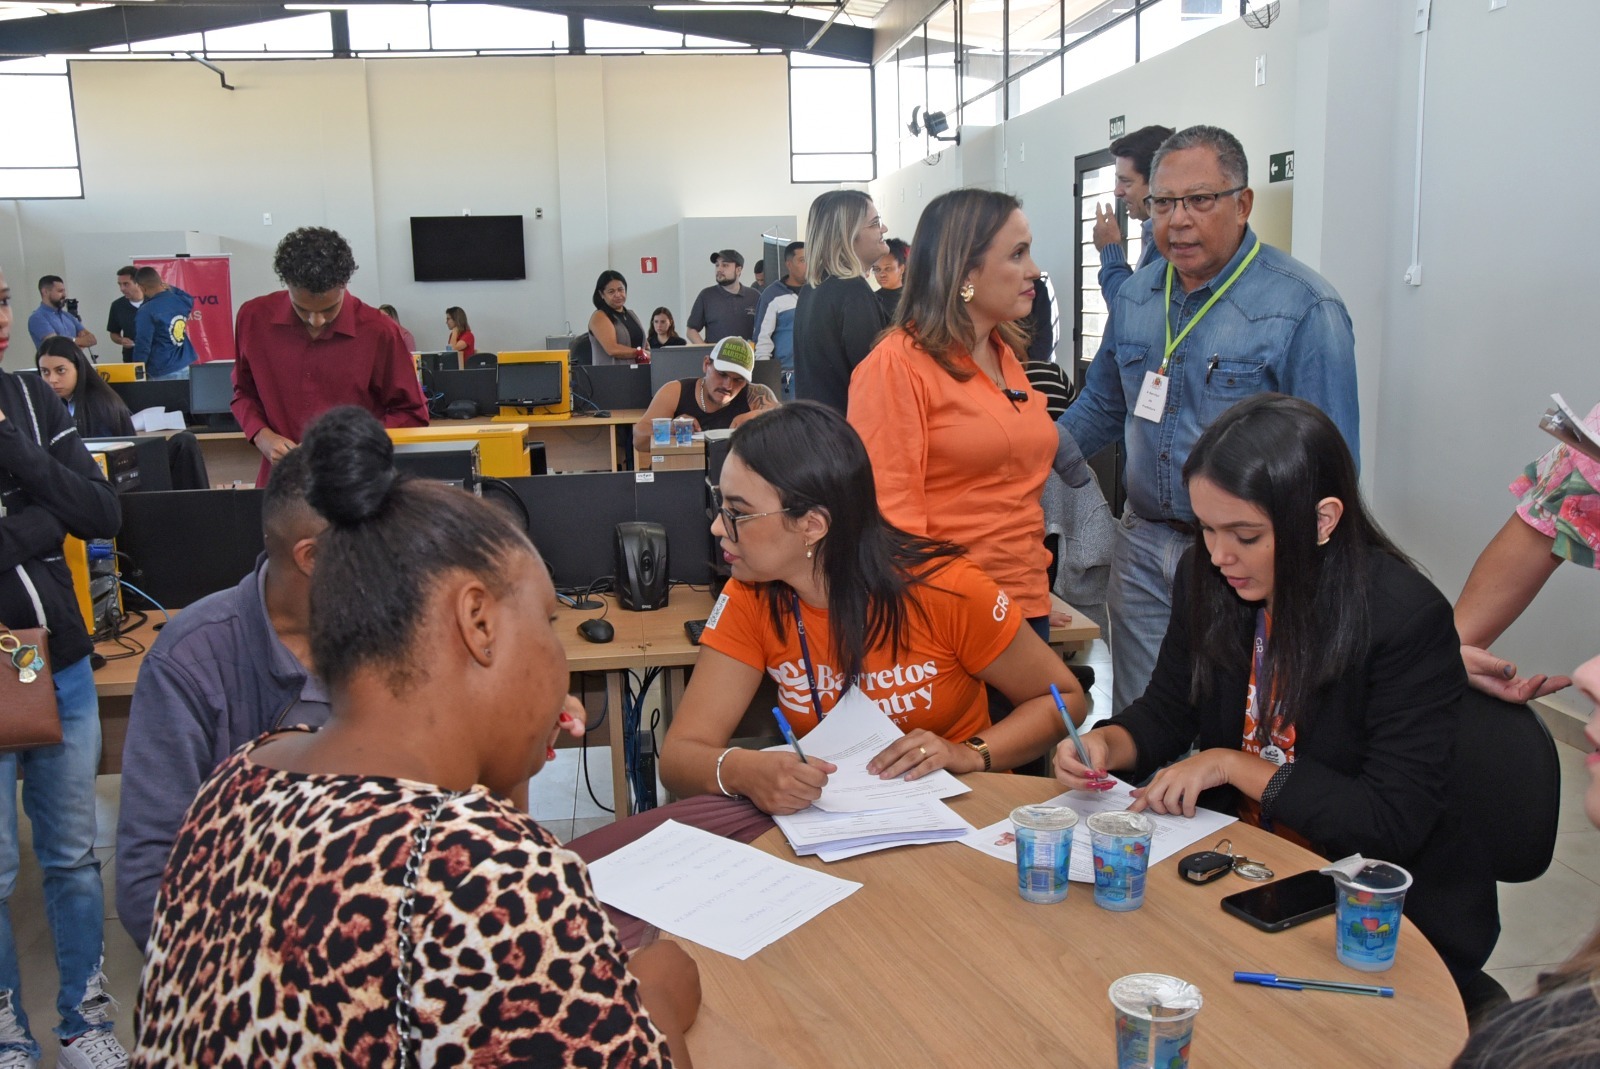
(13, 1057)
(93, 1050)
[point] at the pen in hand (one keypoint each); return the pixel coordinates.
(788, 735)
(1077, 741)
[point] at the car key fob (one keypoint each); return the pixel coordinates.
(1205, 866)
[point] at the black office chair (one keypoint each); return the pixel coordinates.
(482, 360)
(1516, 816)
(580, 351)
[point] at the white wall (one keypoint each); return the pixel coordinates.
(616, 152)
(1032, 155)
(1502, 319)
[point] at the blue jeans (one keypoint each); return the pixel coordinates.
(181, 373)
(1139, 601)
(58, 793)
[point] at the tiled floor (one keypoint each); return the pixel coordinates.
(1543, 921)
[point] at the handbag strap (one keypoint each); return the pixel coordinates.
(405, 1017)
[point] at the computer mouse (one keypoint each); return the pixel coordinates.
(597, 631)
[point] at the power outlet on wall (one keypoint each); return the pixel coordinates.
(266, 218)
(1261, 69)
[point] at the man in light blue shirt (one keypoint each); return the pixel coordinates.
(1133, 154)
(52, 316)
(1242, 318)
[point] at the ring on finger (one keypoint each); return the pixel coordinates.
(923, 750)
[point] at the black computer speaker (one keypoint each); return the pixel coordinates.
(641, 566)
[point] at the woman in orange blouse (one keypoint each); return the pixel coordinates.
(959, 442)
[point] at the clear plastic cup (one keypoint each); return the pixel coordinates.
(1367, 914)
(661, 431)
(1044, 851)
(1121, 843)
(1155, 1020)
(683, 431)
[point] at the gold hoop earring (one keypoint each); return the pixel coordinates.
(967, 292)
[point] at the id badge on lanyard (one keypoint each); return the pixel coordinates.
(1152, 401)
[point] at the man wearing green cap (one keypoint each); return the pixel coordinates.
(721, 397)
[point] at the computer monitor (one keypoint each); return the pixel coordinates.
(572, 519)
(476, 385)
(170, 394)
(677, 501)
(184, 544)
(769, 373)
(613, 386)
(531, 385)
(449, 360)
(676, 362)
(211, 393)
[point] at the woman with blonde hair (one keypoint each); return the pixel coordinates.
(838, 317)
(960, 444)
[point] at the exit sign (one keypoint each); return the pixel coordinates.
(1119, 126)
(1280, 167)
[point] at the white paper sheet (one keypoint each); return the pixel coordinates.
(157, 419)
(1172, 834)
(721, 894)
(853, 733)
(845, 834)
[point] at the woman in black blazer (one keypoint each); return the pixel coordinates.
(1293, 591)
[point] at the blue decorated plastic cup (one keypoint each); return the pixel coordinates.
(1367, 915)
(1155, 1020)
(1121, 843)
(661, 431)
(1044, 851)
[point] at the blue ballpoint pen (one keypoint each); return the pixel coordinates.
(788, 734)
(1072, 729)
(1298, 983)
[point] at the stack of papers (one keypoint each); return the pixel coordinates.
(721, 894)
(147, 420)
(858, 812)
(1172, 834)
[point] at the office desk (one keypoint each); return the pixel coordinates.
(936, 961)
(114, 683)
(576, 443)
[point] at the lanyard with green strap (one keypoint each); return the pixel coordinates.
(1173, 343)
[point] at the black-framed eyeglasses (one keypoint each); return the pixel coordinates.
(1199, 203)
(731, 519)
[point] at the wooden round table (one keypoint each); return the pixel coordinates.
(936, 961)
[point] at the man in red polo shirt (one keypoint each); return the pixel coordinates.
(314, 346)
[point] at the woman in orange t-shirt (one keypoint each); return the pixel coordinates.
(960, 444)
(825, 594)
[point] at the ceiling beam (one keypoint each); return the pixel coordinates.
(83, 31)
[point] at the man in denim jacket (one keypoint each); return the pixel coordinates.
(1168, 367)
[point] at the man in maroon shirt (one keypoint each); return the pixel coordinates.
(314, 346)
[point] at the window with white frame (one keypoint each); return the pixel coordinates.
(830, 120)
(39, 154)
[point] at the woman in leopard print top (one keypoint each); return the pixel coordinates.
(366, 894)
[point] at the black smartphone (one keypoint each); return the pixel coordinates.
(1284, 903)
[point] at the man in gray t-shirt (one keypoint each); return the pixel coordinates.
(727, 309)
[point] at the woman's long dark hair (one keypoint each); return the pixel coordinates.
(97, 410)
(672, 324)
(1283, 455)
(815, 460)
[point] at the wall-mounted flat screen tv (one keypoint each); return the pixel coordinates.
(467, 248)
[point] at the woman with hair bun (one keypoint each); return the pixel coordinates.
(368, 893)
